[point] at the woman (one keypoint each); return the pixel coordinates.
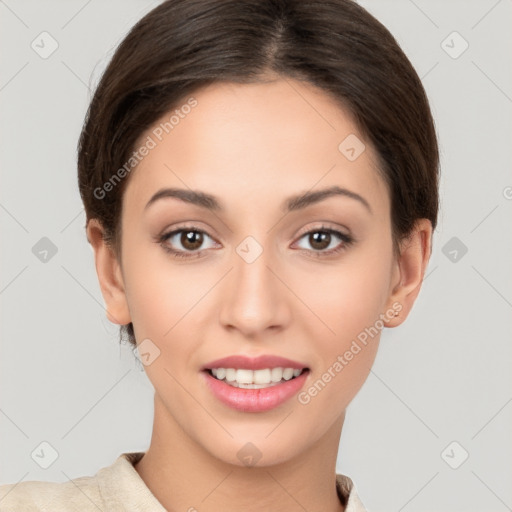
(260, 179)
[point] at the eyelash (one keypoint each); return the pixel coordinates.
(346, 239)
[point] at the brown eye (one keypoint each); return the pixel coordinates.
(185, 242)
(320, 240)
(323, 241)
(191, 240)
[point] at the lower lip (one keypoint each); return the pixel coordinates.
(255, 400)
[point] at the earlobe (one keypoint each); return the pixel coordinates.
(109, 275)
(410, 268)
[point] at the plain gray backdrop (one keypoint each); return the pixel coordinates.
(430, 429)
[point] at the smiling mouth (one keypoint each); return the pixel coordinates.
(255, 379)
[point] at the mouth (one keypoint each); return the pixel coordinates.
(257, 384)
(255, 379)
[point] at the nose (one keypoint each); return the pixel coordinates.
(254, 298)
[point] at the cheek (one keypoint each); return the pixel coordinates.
(160, 292)
(166, 303)
(344, 353)
(347, 300)
(347, 297)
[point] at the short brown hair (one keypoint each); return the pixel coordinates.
(335, 45)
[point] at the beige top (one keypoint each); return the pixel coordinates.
(114, 488)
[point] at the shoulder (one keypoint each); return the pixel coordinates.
(77, 495)
(114, 487)
(348, 494)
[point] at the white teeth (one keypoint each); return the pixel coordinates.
(220, 373)
(287, 373)
(244, 376)
(230, 374)
(254, 379)
(262, 376)
(276, 374)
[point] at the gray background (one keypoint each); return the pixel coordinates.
(443, 376)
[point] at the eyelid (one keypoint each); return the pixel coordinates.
(346, 240)
(188, 227)
(325, 226)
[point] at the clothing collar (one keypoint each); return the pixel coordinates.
(124, 478)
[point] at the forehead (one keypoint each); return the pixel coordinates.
(247, 140)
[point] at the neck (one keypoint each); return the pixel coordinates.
(182, 475)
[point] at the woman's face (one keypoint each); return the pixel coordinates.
(261, 274)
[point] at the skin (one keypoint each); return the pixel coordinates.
(253, 146)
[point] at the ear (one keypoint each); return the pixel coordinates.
(109, 275)
(408, 272)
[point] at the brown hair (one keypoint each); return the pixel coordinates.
(335, 45)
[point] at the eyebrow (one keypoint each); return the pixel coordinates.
(293, 203)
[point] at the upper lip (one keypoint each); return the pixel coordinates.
(254, 363)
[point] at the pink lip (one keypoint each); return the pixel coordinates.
(256, 363)
(254, 400)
